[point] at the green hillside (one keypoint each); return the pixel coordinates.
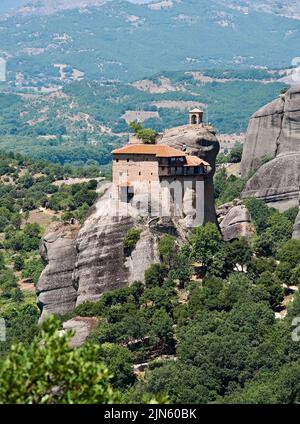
(126, 41)
(84, 121)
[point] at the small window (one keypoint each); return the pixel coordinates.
(127, 160)
(140, 173)
(117, 160)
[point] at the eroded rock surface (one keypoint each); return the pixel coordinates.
(82, 326)
(55, 289)
(235, 221)
(296, 233)
(101, 263)
(199, 140)
(83, 263)
(274, 137)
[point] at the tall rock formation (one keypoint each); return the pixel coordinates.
(101, 264)
(83, 263)
(56, 290)
(235, 221)
(199, 140)
(272, 152)
(296, 233)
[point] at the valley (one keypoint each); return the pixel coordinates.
(56, 125)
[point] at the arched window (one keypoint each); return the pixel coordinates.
(194, 119)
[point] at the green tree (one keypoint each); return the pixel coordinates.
(33, 269)
(18, 262)
(295, 276)
(50, 371)
(131, 238)
(235, 155)
(119, 360)
(290, 253)
(206, 241)
(167, 249)
(155, 275)
(272, 284)
(239, 252)
(260, 213)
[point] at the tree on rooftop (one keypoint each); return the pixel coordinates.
(147, 135)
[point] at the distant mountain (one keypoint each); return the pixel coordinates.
(7, 6)
(288, 8)
(126, 41)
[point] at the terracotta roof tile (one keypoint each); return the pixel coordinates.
(195, 161)
(158, 150)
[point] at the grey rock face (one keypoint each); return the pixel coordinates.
(101, 264)
(296, 233)
(82, 328)
(200, 140)
(55, 290)
(84, 264)
(274, 135)
(235, 221)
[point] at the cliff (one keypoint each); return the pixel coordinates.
(272, 152)
(296, 233)
(83, 263)
(55, 290)
(235, 221)
(200, 140)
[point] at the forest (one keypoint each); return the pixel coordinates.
(84, 121)
(204, 321)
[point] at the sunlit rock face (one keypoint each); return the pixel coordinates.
(55, 290)
(296, 233)
(102, 264)
(85, 262)
(198, 140)
(271, 155)
(235, 221)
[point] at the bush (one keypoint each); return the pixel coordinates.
(147, 135)
(49, 371)
(167, 249)
(131, 238)
(33, 269)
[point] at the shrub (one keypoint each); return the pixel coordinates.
(131, 238)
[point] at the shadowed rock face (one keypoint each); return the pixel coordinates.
(200, 140)
(274, 135)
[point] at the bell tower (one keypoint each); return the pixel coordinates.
(196, 116)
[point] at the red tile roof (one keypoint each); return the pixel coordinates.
(158, 150)
(195, 161)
